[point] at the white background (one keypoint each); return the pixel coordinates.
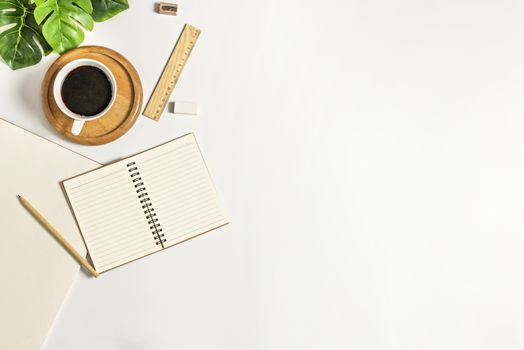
(369, 155)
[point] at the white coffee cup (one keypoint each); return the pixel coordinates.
(79, 120)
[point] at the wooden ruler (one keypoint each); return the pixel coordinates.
(165, 85)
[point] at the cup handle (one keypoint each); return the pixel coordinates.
(77, 127)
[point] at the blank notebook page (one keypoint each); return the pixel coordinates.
(145, 203)
(36, 271)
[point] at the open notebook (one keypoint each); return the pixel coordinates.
(145, 203)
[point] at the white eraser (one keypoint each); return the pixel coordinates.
(183, 107)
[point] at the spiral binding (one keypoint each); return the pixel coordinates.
(145, 201)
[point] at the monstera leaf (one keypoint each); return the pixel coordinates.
(105, 9)
(30, 29)
(21, 40)
(63, 21)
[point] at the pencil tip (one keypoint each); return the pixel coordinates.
(18, 195)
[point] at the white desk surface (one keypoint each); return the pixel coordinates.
(369, 154)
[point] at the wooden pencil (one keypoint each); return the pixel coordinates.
(58, 236)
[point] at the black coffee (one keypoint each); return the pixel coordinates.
(86, 91)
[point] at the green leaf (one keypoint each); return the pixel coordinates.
(105, 9)
(21, 40)
(63, 21)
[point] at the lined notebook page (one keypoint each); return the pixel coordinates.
(181, 190)
(180, 193)
(110, 216)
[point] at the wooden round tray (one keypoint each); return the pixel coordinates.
(122, 115)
